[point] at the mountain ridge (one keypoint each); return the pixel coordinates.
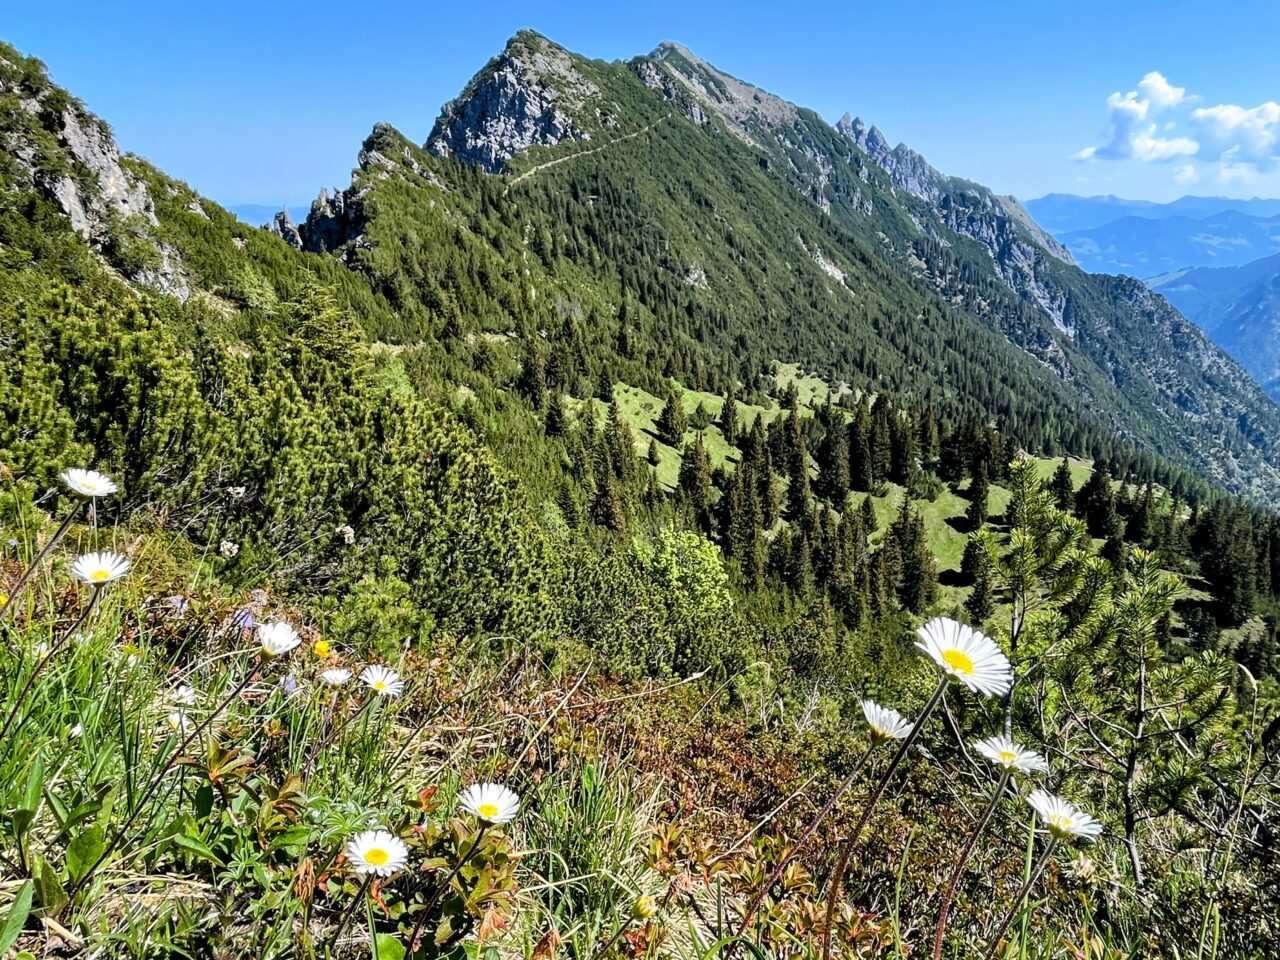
(536, 100)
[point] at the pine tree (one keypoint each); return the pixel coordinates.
(980, 603)
(695, 481)
(604, 384)
(833, 465)
(976, 513)
(622, 443)
(607, 509)
(557, 418)
(673, 422)
(533, 375)
(729, 419)
(1062, 487)
(915, 570)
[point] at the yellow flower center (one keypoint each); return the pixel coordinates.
(958, 660)
(99, 574)
(380, 685)
(1007, 756)
(377, 856)
(487, 810)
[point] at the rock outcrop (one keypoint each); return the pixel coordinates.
(70, 156)
(526, 97)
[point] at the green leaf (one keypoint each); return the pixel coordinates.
(444, 931)
(49, 890)
(35, 784)
(17, 917)
(197, 849)
(83, 852)
(387, 947)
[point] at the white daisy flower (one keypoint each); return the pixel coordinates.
(88, 483)
(377, 852)
(491, 802)
(336, 676)
(1063, 818)
(886, 724)
(277, 639)
(1003, 752)
(99, 569)
(77, 731)
(178, 722)
(382, 680)
(184, 695)
(967, 656)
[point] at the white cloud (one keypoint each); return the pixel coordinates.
(1237, 172)
(1159, 92)
(1241, 135)
(1133, 131)
(1241, 143)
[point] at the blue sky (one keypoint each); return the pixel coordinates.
(265, 102)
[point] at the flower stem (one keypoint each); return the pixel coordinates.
(440, 890)
(837, 878)
(346, 915)
(1022, 894)
(39, 559)
(159, 778)
(333, 735)
(949, 893)
(44, 661)
(808, 831)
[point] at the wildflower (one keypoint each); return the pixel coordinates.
(1003, 752)
(346, 534)
(491, 803)
(244, 619)
(336, 676)
(76, 731)
(967, 656)
(289, 684)
(179, 723)
(376, 852)
(382, 680)
(1063, 818)
(645, 907)
(886, 724)
(99, 569)
(277, 639)
(228, 549)
(184, 695)
(321, 649)
(88, 483)
(178, 604)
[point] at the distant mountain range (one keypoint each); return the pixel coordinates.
(1146, 247)
(1062, 213)
(1217, 260)
(259, 213)
(1239, 307)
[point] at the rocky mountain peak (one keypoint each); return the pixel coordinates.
(527, 96)
(66, 153)
(743, 106)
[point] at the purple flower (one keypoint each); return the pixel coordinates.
(244, 619)
(178, 604)
(288, 684)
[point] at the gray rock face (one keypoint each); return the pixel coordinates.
(282, 225)
(524, 98)
(97, 194)
(332, 223)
